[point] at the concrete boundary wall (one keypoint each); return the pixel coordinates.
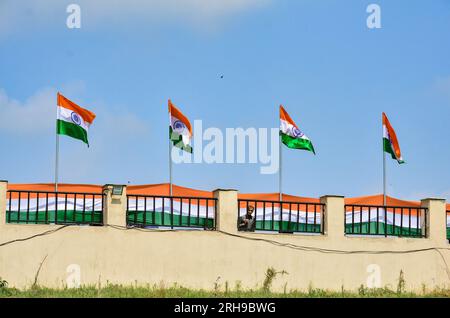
(73, 255)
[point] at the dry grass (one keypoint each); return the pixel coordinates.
(118, 291)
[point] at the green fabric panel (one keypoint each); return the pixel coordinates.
(165, 219)
(286, 226)
(40, 217)
(367, 228)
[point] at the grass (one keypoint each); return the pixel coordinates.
(119, 291)
(176, 291)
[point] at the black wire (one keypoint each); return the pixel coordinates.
(332, 251)
(141, 229)
(276, 243)
(34, 236)
(273, 242)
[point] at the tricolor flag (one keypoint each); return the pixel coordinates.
(73, 120)
(291, 135)
(390, 141)
(180, 130)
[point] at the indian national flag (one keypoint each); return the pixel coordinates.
(73, 120)
(180, 130)
(291, 135)
(390, 141)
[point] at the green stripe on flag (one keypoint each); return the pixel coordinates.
(297, 143)
(71, 130)
(387, 147)
(177, 140)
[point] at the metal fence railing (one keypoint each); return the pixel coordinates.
(285, 216)
(171, 211)
(40, 207)
(386, 220)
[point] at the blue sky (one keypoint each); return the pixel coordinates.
(318, 58)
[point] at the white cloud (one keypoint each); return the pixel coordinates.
(35, 14)
(114, 138)
(36, 115)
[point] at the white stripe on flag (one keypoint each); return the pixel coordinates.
(66, 115)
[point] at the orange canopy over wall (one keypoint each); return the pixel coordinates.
(150, 189)
(50, 187)
(163, 189)
(276, 197)
(378, 200)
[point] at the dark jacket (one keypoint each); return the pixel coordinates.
(250, 226)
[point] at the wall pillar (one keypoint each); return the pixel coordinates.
(227, 210)
(3, 190)
(436, 220)
(115, 209)
(334, 216)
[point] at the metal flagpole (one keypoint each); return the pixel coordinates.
(170, 166)
(170, 153)
(57, 151)
(384, 177)
(56, 162)
(280, 171)
(384, 164)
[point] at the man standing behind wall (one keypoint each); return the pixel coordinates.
(247, 222)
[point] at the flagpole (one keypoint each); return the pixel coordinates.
(384, 178)
(384, 163)
(170, 151)
(170, 167)
(56, 162)
(57, 152)
(280, 171)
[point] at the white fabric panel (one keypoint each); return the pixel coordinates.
(259, 212)
(176, 207)
(89, 204)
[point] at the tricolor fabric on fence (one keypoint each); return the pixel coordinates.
(157, 211)
(268, 220)
(366, 215)
(295, 214)
(448, 221)
(39, 204)
(151, 205)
